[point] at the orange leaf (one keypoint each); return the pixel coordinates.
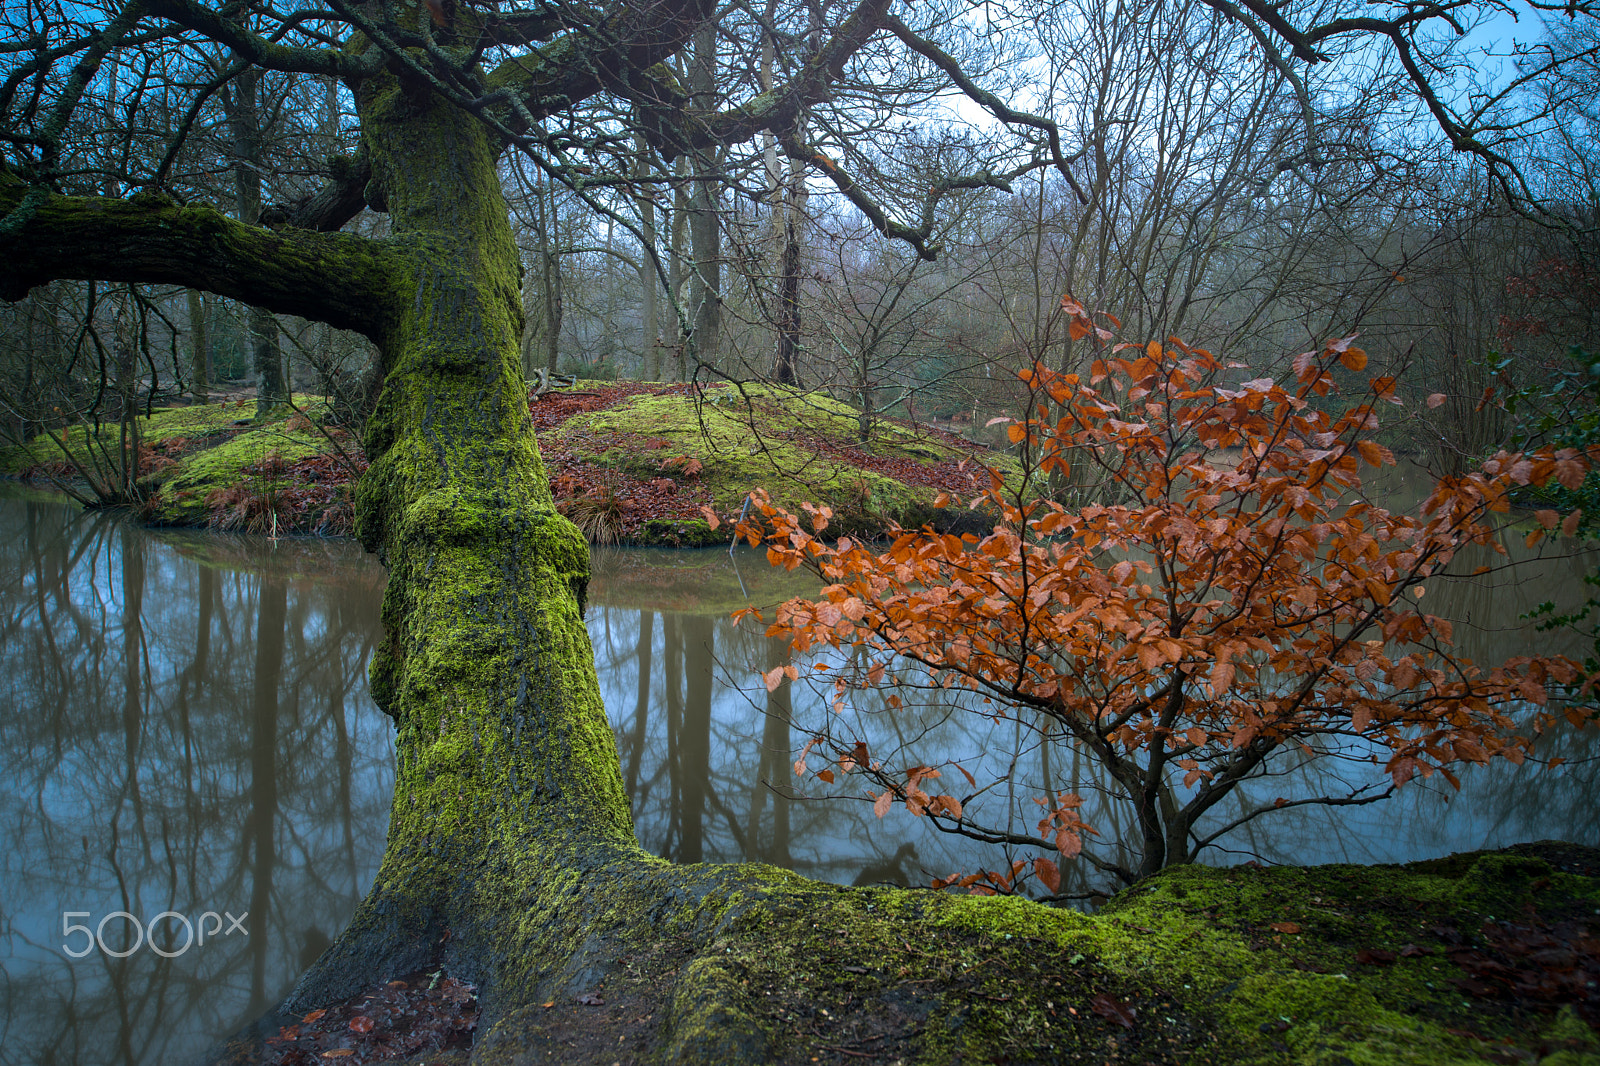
(1153, 349)
(826, 775)
(1049, 874)
(773, 678)
(880, 806)
(1353, 359)
(1437, 399)
(1286, 927)
(711, 517)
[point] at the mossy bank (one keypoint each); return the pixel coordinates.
(1436, 962)
(1483, 957)
(630, 462)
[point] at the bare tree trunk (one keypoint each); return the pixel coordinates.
(705, 235)
(126, 365)
(266, 356)
(679, 271)
(649, 285)
(787, 195)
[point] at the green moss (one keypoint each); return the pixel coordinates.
(800, 447)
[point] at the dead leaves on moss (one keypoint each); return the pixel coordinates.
(422, 1013)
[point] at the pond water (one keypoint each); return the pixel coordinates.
(188, 748)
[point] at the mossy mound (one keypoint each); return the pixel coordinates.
(800, 447)
(1489, 957)
(214, 465)
(258, 462)
(667, 450)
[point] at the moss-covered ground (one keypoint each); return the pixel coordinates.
(667, 450)
(629, 462)
(1491, 957)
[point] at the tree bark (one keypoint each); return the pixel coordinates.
(649, 283)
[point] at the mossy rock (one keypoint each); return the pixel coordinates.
(1369, 964)
(711, 582)
(679, 533)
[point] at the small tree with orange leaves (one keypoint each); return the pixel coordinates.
(1233, 600)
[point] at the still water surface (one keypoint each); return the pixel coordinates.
(186, 730)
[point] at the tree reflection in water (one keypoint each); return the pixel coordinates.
(743, 743)
(187, 730)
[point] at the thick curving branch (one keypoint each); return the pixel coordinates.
(611, 54)
(263, 51)
(346, 281)
(780, 107)
(331, 206)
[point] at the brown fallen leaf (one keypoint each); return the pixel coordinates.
(1285, 927)
(361, 1024)
(1375, 957)
(339, 1053)
(1109, 1007)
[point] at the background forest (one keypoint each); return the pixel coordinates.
(1200, 192)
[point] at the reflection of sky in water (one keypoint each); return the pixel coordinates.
(191, 798)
